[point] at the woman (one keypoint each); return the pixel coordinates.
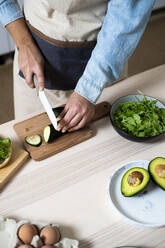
(56, 40)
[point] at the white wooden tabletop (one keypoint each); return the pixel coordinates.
(70, 188)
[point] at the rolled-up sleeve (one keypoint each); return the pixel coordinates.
(9, 11)
(121, 31)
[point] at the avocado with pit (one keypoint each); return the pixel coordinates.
(134, 181)
(156, 169)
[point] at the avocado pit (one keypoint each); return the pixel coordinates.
(160, 170)
(135, 178)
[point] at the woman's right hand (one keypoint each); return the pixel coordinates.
(31, 61)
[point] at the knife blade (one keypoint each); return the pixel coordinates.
(45, 103)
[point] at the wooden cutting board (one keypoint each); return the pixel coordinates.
(18, 158)
(36, 124)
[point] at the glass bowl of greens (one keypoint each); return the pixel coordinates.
(138, 117)
(5, 151)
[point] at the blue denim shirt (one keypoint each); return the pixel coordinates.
(121, 31)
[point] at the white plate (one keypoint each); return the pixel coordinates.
(145, 209)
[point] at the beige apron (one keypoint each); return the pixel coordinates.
(25, 98)
(65, 22)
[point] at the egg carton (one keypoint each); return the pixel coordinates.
(9, 238)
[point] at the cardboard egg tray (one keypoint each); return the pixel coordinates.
(9, 238)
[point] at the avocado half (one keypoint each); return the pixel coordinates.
(134, 181)
(156, 169)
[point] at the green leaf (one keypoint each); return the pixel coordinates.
(5, 145)
(142, 118)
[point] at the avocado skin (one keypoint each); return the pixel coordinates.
(151, 174)
(142, 189)
(57, 111)
(54, 133)
(138, 193)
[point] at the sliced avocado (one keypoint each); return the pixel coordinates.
(34, 140)
(157, 171)
(134, 181)
(50, 133)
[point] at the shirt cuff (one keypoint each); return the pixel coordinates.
(91, 90)
(9, 12)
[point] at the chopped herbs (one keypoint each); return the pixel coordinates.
(5, 149)
(142, 118)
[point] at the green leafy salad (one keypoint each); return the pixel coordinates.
(142, 118)
(5, 149)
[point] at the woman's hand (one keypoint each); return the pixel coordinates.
(76, 114)
(30, 61)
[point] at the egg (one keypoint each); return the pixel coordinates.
(48, 246)
(25, 246)
(50, 235)
(26, 233)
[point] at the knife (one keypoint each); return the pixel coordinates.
(45, 103)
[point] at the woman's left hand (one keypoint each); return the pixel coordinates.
(76, 114)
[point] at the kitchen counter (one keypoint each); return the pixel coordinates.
(70, 188)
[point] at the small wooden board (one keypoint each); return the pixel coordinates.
(36, 124)
(18, 158)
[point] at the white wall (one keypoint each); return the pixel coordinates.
(159, 4)
(7, 44)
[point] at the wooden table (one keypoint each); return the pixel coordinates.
(70, 188)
